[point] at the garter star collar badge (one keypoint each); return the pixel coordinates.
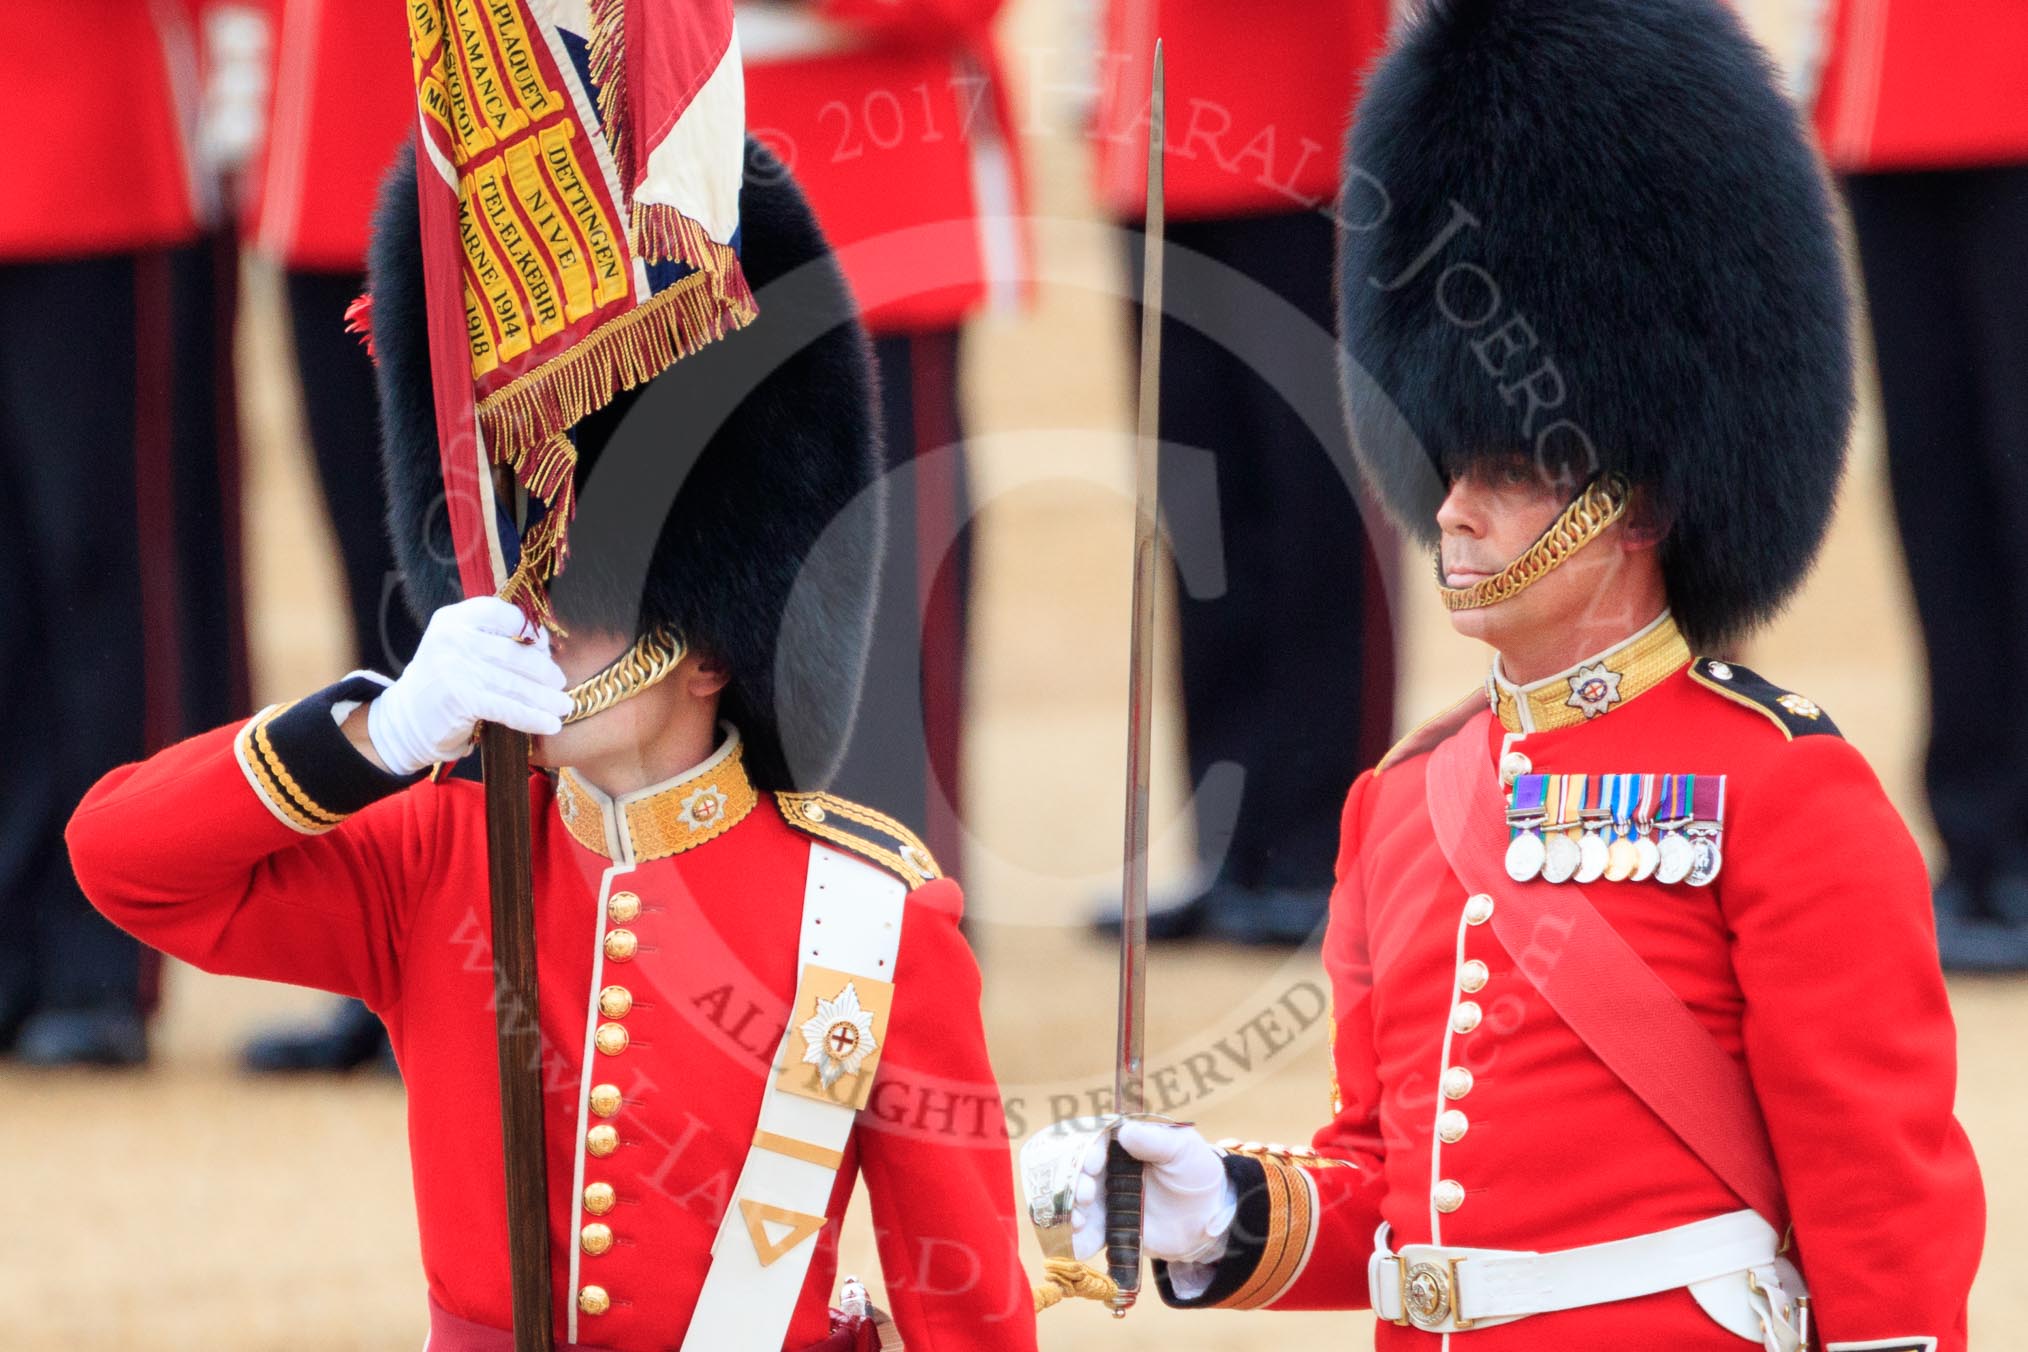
(703, 808)
(1594, 689)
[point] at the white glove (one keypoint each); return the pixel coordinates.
(471, 666)
(1187, 1203)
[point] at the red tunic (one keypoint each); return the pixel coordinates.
(1259, 97)
(106, 92)
(1924, 84)
(391, 906)
(1811, 957)
(895, 119)
(341, 101)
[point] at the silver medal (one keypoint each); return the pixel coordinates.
(1524, 856)
(1647, 858)
(1561, 857)
(1708, 860)
(1592, 857)
(1678, 854)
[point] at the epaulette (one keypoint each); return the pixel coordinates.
(1792, 713)
(1430, 734)
(871, 835)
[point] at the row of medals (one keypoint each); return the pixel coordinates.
(1687, 850)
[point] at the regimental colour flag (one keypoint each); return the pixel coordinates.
(579, 166)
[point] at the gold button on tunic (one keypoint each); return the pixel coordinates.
(1472, 976)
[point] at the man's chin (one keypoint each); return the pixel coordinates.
(1485, 623)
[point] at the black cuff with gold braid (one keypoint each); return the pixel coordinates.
(1269, 1242)
(303, 766)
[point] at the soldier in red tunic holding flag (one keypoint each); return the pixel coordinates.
(748, 993)
(1640, 1038)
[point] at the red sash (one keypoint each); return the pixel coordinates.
(1598, 985)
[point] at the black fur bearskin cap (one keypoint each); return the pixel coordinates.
(1591, 231)
(734, 498)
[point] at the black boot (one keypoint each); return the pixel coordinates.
(1177, 914)
(107, 1037)
(1269, 917)
(351, 1037)
(1970, 935)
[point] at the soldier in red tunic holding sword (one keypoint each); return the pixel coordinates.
(1640, 1038)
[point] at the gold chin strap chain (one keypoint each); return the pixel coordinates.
(653, 656)
(1603, 501)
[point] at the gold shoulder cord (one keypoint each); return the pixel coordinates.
(1603, 501)
(653, 656)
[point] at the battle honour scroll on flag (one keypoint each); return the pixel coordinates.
(579, 165)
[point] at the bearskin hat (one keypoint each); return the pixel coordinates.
(734, 498)
(1592, 231)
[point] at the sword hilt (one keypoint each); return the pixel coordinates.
(1123, 1226)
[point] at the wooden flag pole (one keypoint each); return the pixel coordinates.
(504, 757)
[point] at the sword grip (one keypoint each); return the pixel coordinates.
(1123, 1225)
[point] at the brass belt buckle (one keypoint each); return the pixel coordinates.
(1429, 1295)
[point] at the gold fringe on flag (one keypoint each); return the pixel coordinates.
(660, 233)
(550, 476)
(608, 52)
(526, 422)
(627, 350)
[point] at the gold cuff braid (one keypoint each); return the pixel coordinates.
(653, 656)
(1603, 501)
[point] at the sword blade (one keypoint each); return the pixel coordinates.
(1123, 1173)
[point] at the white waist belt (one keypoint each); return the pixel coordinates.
(1443, 1289)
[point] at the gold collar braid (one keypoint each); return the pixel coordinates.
(1603, 501)
(699, 805)
(1594, 687)
(653, 656)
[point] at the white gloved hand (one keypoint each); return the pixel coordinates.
(1187, 1203)
(470, 667)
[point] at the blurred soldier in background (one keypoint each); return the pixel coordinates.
(894, 118)
(1924, 108)
(1288, 673)
(119, 566)
(342, 102)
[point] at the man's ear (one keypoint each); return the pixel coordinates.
(1646, 523)
(707, 679)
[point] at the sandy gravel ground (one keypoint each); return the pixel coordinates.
(190, 1207)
